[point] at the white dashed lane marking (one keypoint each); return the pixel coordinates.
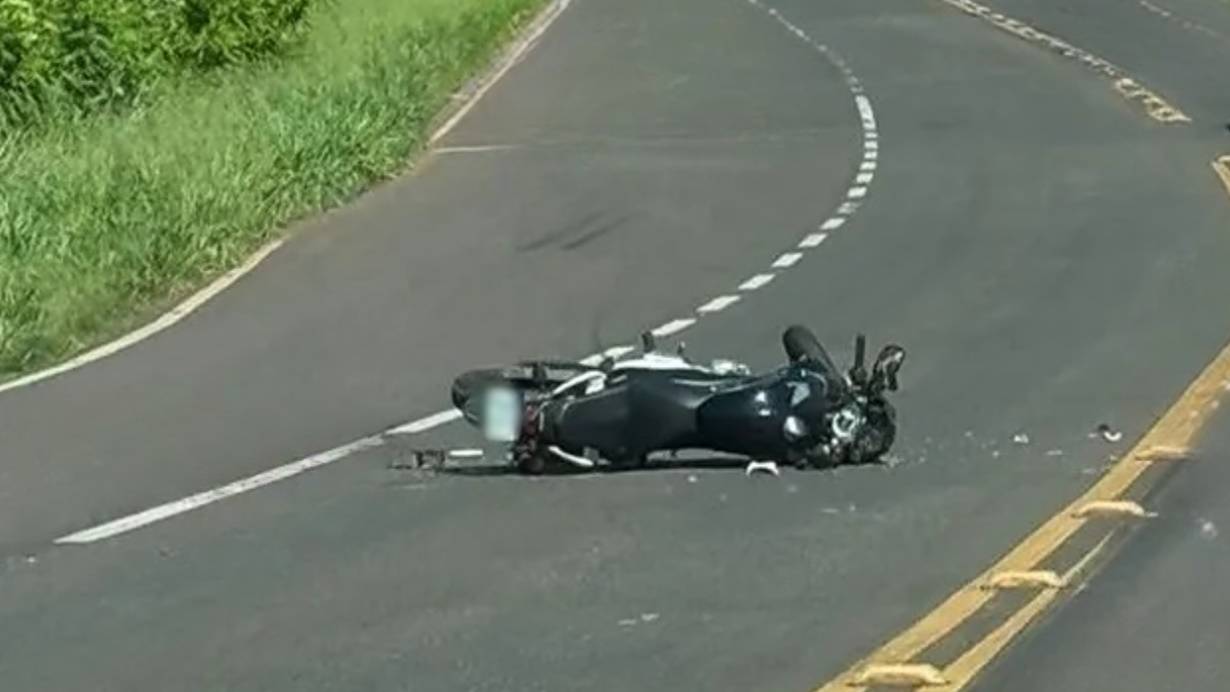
(758, 281)
(718, 304)
(836, 220)
(788, 259)
(813, 240)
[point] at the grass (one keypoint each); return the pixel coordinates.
(106, 219)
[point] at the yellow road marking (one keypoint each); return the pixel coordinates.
(1176, 428)
(1154, 105)
(958, 674)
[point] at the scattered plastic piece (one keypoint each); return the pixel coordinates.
(1208, 530)
(649, 617)
(1020, 438)
(692, 478)
(762, 467)
(1108, 433)
(1054, 452)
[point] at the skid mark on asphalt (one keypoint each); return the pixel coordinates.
(854, 198)
(1154, 105)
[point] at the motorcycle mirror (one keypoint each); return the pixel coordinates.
(858, 373)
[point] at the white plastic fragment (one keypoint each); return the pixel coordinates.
(762, 467)
(1108, 433)
(1020, 438)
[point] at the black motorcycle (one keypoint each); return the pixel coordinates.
(806, 413)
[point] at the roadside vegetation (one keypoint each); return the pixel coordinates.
(148, 145)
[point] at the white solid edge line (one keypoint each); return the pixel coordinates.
(435, 420)
(223, 282)
(813, 240)
(511, 59)
(787, 259)
(476, 148)
(154, 514)
(718, 304)
(756, 282)
(166, 320)
(273, 475)
(160, 512)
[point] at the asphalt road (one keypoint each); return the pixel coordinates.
(1051, 258)
(1155, 618)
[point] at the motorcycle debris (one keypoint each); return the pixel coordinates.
(1020, 439)
(627, 622)
(649, 617)
(1054, 452)
(692, 478)
(1208, 530)
(1107, 433)
(418, 459)
(762, 466)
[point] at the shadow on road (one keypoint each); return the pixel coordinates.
(504, 469)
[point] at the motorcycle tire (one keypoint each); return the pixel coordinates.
(801, 344)
(532, 465)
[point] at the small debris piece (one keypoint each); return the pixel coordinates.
(692, 478)
(1208, 530)
(1020, 438)
(1054, 452)
(762, 466)
(649, 617)
(627, 622)
(1108, 433)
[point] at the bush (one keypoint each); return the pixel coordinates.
(81, 56)
(112, 217)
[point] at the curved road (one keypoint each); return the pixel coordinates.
(1052, 258)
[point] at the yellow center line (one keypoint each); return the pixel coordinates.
(961, 671)
(1176, 429)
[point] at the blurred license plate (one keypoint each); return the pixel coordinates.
(501, 414)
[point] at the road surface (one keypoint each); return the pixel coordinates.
(1052, 257)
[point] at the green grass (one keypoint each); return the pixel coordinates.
(104, 220)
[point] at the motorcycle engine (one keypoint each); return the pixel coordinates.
(846, 423)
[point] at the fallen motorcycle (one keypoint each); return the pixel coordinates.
(806, 413)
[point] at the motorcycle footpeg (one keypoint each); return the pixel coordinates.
(649, 342)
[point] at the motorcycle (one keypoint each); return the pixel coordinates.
(618, 412)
